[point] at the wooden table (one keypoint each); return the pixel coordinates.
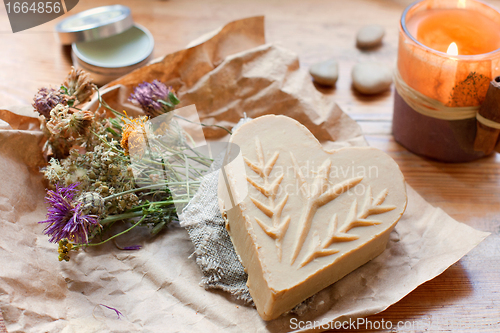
(465, 297)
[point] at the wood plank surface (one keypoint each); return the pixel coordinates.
(466, 297)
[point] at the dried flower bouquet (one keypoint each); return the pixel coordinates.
(105, 170)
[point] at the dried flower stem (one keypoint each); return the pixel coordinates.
(146, 187)
(112, 237)
(102, 103)
(204, 125)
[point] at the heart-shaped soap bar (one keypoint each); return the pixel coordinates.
(300, 217)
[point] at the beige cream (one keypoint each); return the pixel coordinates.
(304, 217)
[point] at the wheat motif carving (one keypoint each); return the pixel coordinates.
(317, 194)
(269, 189)
(353, 220)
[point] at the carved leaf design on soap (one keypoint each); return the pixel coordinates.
(316, 195)
(371, 207)
(353, 220)
(269, 189)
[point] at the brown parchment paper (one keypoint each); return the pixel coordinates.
(157, 288)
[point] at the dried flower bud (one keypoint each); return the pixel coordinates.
(46, 99)
(65, 218)
(64, 249)
(79, 85)
(93, 203)
(104, 189)
(154, 98)
(68, 122)
(81, 121)
(59, 119)
(134, 135)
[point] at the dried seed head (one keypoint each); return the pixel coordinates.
(81, 121)
(92, 203)
(64, 249)
(79, 85)
(59, 119)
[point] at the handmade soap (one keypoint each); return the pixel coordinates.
(300, 217)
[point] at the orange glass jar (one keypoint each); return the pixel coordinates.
(449, 51)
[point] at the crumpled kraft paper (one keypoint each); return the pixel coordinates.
(157, 288)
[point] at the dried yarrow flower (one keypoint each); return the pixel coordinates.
(78, 86)
(66, 218)
(154, 98)
(46, 99)
(102, 170)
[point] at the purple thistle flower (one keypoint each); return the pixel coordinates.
(46, 99)
(154, 98)
(66, 218)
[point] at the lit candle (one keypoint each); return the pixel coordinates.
(452, 49)
(471, 31)
(448, 53)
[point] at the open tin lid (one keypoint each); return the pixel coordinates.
(94, 24)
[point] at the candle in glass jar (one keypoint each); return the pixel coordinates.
(428, 30)
(449, 51)
(471, 31)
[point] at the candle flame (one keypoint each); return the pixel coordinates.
(452, 49)
(461, 3)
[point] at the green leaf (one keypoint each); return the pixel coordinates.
(157, 228)
(110, 130)
(173, 98)
(170, 105)
(116, 123)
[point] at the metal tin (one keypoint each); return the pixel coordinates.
(109, 58)
(95, 23)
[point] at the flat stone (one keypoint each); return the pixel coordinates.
(370, 36)
(325, 72)
(371, 77)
